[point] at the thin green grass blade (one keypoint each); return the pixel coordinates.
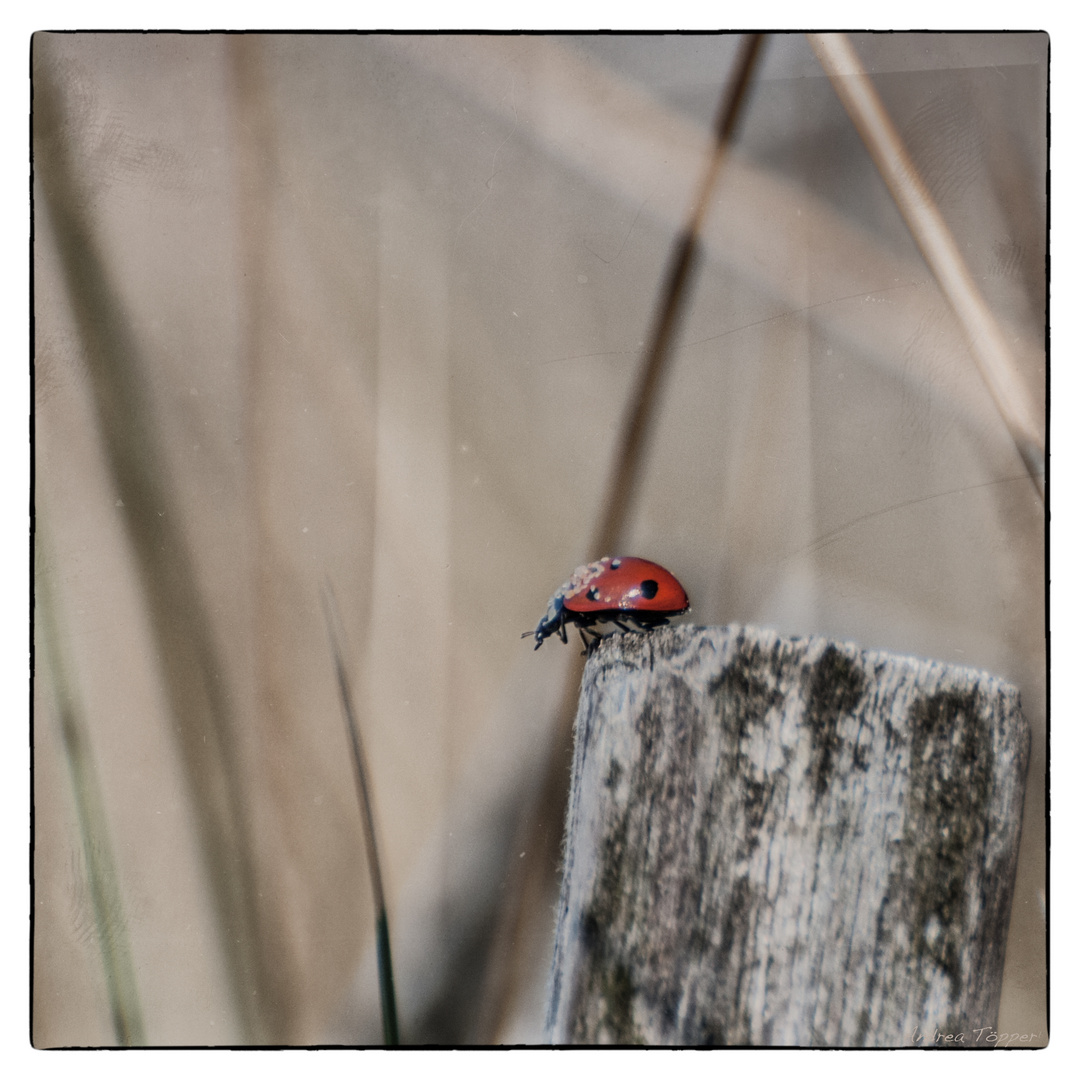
(387, 998)
(386, 981)
(101, 875)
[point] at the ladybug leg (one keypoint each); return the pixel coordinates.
(562, 629)
(590, 645)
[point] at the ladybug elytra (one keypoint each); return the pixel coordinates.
(623, 590)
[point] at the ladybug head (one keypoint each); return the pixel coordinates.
(552, 623)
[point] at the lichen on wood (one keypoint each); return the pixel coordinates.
(777, 841)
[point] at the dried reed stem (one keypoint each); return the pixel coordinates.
(989, 348)
(627, 469)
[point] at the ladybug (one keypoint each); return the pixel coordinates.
(614, 589)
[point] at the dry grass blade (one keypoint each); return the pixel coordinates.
(533, 874)
(363, 793)
(987, 342)
(643, 402)
(103, 887)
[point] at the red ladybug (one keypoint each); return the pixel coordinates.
(620, 590)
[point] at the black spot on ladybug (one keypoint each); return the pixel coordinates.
(649, 588)
(593, 594)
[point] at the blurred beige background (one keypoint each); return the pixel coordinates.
(368, 309)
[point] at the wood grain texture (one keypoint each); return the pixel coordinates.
(784, 841)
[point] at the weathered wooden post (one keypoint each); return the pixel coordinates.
(776, 841)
